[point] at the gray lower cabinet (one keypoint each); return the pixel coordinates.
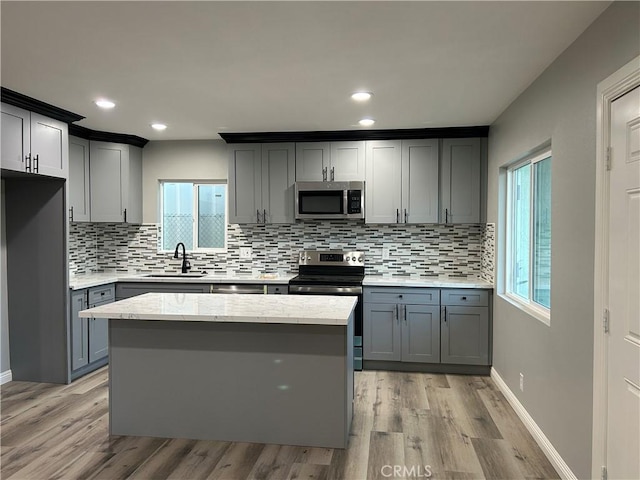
(127, 290)
(466, 327)
(427, 325)
(89, 336)
(79, 331)
(401, 325)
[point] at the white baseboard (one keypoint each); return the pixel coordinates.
(5, 377)
(538, 435)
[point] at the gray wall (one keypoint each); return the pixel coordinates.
(179, 160)
(5, 363)
(560, 105)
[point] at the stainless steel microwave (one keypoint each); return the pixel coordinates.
(318, 200)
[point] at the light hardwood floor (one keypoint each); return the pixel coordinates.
(423, 425)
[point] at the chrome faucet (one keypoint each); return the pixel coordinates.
(186, 266)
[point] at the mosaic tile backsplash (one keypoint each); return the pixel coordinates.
(424, 250)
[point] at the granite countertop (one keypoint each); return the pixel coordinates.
(77, 282)
(194, 307)
(415, 281)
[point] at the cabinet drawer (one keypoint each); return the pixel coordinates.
(403, 296)
(102, 294)
(470, 297)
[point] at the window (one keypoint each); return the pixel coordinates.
(528, 261)
(194, 214)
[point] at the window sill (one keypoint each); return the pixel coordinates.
(537, 313)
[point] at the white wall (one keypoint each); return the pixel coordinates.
(179, 160)
(560, 105)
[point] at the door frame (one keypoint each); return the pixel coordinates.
(622, 81)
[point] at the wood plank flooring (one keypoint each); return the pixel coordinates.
(405, 425)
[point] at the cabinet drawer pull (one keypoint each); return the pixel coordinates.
(36, 163)
(464, 298)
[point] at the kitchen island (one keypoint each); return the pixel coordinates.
(246, 368)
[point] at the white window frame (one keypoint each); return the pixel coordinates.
(195, 184)
(533, 308)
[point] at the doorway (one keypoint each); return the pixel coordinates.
(616, 437)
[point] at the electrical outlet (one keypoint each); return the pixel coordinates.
(521, 382)
(245, 252)
(385, 253)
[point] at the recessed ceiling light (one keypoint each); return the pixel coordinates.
(104, 103)
(158, 126)
(367, 122)
(361, 96)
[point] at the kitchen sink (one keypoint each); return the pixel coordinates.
(175, 275)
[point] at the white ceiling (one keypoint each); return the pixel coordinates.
(207, 67)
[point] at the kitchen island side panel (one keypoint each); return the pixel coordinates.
(267, 383)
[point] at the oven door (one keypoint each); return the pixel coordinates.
(357, 314)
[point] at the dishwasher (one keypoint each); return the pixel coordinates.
(239, 288)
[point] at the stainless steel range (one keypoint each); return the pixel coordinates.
(333, 272)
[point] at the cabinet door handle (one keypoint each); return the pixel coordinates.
(36, 163)
(125, 215)
(71, 214)
(406, 216)
(324, 174)
(405, 313)
(443, 314)
(464, 298)
(264, 216)
(395, 314)
(258, 216)
(332, 173)
(27, 163)
(446, 215)
(397, 215)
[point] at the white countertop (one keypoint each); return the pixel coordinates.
(415, 281)
(194, 307)
(77, 282)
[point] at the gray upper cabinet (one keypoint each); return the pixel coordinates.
(347, 161)
(402, 181)
(278, 178)
(79, 189)
(115, 182)
(312, 161)
(261, 179)
(33, 143)
(383, 188)
(419, 181)
(460, 185)
(245, 183)
(335, 161)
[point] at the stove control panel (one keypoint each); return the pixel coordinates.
(331, 257)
